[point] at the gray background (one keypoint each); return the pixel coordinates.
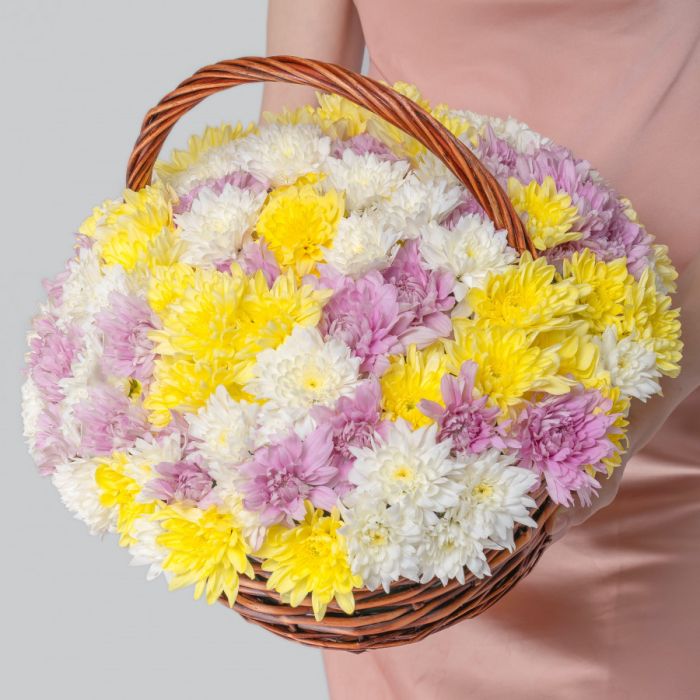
(77, 621)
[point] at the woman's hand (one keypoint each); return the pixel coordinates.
(646, 418)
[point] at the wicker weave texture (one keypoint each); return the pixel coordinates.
(411, 611)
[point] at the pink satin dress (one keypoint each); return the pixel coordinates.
(612, 610)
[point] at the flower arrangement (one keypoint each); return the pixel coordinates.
(305, 346)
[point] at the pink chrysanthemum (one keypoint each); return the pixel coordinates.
(109, 421)
(51, 355)
(281, 476)
(425, 295)
(255, 256)
(464, 418)
(353, 421)
(50, 445)
(560, 436)
(366, 315)
(180, 481)
(126, 324)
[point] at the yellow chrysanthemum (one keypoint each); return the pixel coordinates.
(578, 354)
(340, 118)
(167, 284)
(410, 378)
(509, 363)
(197, 145)
(548, 214)
(126, 231)
(606, 284)
(297, 222)
(310, 558)
(94, 225)
(203, 323)
(214, 325)
(118, 490)
(527, 296)
(206, 548)
(649, 317)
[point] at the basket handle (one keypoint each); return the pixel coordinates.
(328, 77)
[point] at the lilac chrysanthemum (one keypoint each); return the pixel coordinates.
(240, 179)
(126, 324)
(366, 315)
(109, 421)
(560, 436)
(363, 144)
(464, 418)
(497, 155)
(255, 256)
(281, 476)
(423, 294)
(51, 355)
(51, 447)
(180, 481)
(353, 422)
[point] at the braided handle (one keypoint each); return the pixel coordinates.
(328, 77)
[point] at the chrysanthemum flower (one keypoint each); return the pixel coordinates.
(382, 542)
(527, 296)
(548, 214)
(217, 225)
(205, 548)
(297, 223)
(179, 482)
(281, 476)
(411, 378)
(607, 284)
(629, 364)
(223, 431)
(406, 466)
(118, 492)
(464, 419)
(562, 435)
(509, 362)
(366, 315)
(365, 179)
(364, 242)
(339, 117)
(471, 251)
(311, 558)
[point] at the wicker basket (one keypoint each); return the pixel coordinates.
(411, 611)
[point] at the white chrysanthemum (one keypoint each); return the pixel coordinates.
(448, 547)
(145, 550)
(87, 288)
(76, 484)
(304, 371)
(495, 497)
(32, 406)
(284, 152)
(226, 429)
(363, 242)
(430, 167)
(382, 542)
(519, 135)
(408, 467)
(366, 179)
(471, 251)
(630, 364)
(217, 226)
(417, 202)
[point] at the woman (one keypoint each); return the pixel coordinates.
(610, 609)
